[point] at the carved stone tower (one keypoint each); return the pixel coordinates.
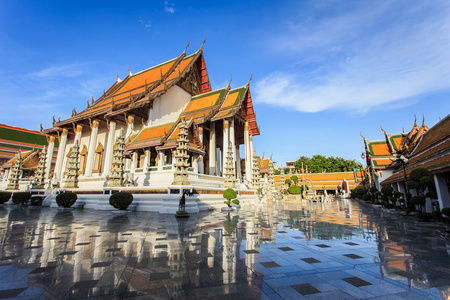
(180, 176)
(229, 168)
(116, 177)
(40, 171)
(13, 183)
(255, 172)
(72, 168)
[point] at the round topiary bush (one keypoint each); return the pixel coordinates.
(21, 197)
(418, 173)
(229, 194)
(424, 216)
(446, 211)
(295, 190)
(66, 199)
(418, 200)
(36, 200)
(388, 205)
(436, 214)
(4, 197)
(387, 190)
(121, 200)
(412, 185)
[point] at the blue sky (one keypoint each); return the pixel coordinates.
(323, 71)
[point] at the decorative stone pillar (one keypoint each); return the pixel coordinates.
(109, 148)
(271, 176)
(160, 160)
(13, 183)
(72, 168)
(91, 150)
(116, 174)
(250, 137)
(212, 150)
(40, 171)
(133, 162)
(226, 139)
(49, 158)
(255, 173)
(180, 175)
(248, 155)
(229, 169)
(61, 155)
(147, 158)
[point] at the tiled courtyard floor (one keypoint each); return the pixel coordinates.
(284, 250)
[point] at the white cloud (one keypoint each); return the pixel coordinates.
(374, 55)
(66, 71)
(169, 7)
(147, 24)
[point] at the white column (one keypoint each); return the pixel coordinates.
(212, 150)
(442, 190)
(91, 150)
(133, 162)
(50, 148)
(226, 138)
(78, 132)
(238, 164)
(250, 164)
(6, 175)
(109, 148)
(248, 155)
(61, 155)
(233, 143)
(160, 160)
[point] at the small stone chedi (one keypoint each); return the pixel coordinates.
(116, 177)
(72, 169)
(255, 172)
(229, 168)
(13, 183)
(271, 174)
(40, 171)
(180, 176)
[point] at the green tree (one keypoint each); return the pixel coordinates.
(320, 163)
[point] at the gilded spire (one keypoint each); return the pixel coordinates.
(201, 48)
(184, 52)
(251, 77)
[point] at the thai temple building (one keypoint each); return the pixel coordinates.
(162, 123)
(383, 155)
(391, 160)
(28, 144)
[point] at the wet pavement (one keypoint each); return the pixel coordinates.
(284, 250)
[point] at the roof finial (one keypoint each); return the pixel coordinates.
(54, 121)
(129, 71)
(92, 100)
(87, 101)
(201, 48)
(118, 78)
(251, 77)
(229, 82)
(423, 120)
(381, 126)
(415, 120)
(189, 41)
(360, 133)
(42, 128)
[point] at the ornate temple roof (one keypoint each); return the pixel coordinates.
(13, 139)
(29, 160)
(138, 90)
(431, 153)
(150, 136)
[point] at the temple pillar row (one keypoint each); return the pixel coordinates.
(109, 148)
(233, 146)
(78, 131)
(51, 147)
(91, 149)
(60, 156)
(238, 165)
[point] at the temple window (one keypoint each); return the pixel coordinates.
(83, 158)
(98, 159)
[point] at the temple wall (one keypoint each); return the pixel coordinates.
(168, 107)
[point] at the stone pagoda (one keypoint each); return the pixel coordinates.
(13, 183)
(40, 171)
(271, 172)
(116, 177)
(255, 172)
(72, 168)
(180, 176)
(229, 169)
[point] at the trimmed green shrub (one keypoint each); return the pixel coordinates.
(446, 211)
(418, 200)
(229, 194)
(412, 185)
(294, 178)
(295, 190)
(418, 173)
(288, 181)
(398, 194)
(36, 200)
(373, 189)
(235, 201)
(387, 190)
(66, 199)
(388, 205)
(4, 197)
(121, 200)
(21, 197)
(366, 197)
(436, 214)
(424, 216)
